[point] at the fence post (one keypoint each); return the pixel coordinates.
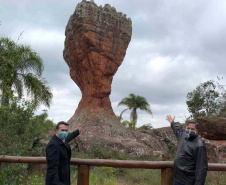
(167, 176)
(83, 175)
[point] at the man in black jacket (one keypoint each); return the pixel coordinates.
(58, 155)
(190, 164)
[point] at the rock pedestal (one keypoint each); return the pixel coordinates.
(96, 41)
(95, 46)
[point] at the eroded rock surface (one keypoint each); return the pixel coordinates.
(96, 41)
(213, 128)
(95, 46)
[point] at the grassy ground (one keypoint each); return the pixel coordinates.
(216, 178)
(113, 176)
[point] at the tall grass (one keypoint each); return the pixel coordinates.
(216, 178)
(117, 176)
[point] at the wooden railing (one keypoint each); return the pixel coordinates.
(84, 165)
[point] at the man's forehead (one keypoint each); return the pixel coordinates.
(191, 125)
(62, 126)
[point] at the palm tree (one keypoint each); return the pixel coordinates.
(133, 103)
(21, 69)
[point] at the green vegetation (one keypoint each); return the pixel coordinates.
(20, 135)
(133, 103)
(208, 99)
(113, 176)
(128, 124)
(216, 178)
(21, 130)
(146, 128)
(116, 176)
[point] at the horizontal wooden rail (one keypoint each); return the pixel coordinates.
(107, 163)
(19, 159)
(84, 164)
(123, 163)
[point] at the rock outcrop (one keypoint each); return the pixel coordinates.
(216, 150)
(96, 42)
(213, 128)
(213, 131)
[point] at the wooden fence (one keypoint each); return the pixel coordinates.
(84, 165)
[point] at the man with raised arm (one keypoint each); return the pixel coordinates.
(190, 163)
(58, 155)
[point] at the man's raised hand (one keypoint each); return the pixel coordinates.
(170, 119)
(79, 126)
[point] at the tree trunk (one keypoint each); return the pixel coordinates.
(120, 117)
(133, 118)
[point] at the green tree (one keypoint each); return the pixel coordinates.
(208, 99)
(145, 127)
(128, 124)
(21, 69)
(133, 103)
(21, 134)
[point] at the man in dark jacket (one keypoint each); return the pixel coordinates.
(58, 155)
(190, 164)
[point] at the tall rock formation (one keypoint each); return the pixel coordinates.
(95, 46)
(96, 41)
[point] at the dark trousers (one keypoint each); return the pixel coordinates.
(177, 183)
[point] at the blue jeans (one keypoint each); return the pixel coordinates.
(177, 183)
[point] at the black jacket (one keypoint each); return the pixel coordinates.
(58, 155)
(190, 164)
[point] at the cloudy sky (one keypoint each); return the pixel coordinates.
(175, 46)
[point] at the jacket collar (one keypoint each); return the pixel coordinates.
(60, 142)
(57, 139)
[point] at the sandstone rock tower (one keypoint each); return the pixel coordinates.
(95, 46)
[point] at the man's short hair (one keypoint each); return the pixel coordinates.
(61, 123)
(192, 121)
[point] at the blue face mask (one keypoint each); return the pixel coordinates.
(190, 133)
(63, 134)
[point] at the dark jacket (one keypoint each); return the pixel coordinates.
(58, 155)
(190, 164)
